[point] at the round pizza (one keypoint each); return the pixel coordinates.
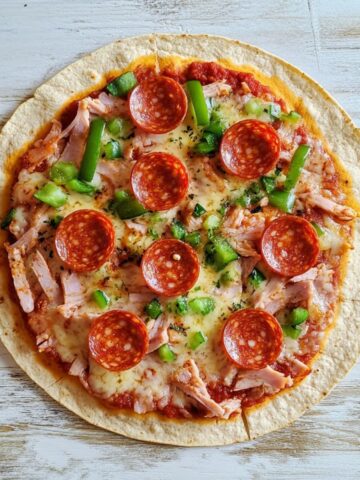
(179, 252)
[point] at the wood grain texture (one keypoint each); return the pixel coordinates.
(38, 438)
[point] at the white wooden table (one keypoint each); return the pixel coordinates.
(38, 438)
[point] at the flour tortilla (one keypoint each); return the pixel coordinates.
(343, 345)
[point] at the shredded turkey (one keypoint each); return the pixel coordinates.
(21, 282)
(187, 378)
(267, 375)
(78, 130)
(78, 367)
(247, 266)
(230, 406)
(243, 230)
(310, 274)
(117, 173)
(73, 294)
(107, 106)
(45, 278)
(342, 212)
(43, 149)
(158, 333)
(217, 89)
(275, 295)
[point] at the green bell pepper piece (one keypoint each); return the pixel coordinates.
(63, 172)
(166, 354)
(153, 309)
(101, 299)
(296, 165)
(122, 84)
(92, 150)
(202, 305)
(198, 101)
(196, 339)
(52, 195)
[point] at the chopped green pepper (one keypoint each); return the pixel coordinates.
(166, 354)
(212, 222)
(112, 150)
(125, 206)
(181, 306)
(55, 221)
(292, 117)
(193, 239)
(226, 278)
(198, 101)
(92, 150)
(254, 106)
(63, 172)
(177, 230)
(202, 305)
(52, 195)
(122, 84)
(251, 196)
(9, 217)
(101, 299)
(216, 127)
(153, 309)
(120, 127)
(298, 315)
(268, 184)
(290, 331)
(296, 165)
(121, 195)
(153, 233)
(196, 339)
(223, 207)
(80, 187)
(320, 232)
(256, 278)
(274, 110)
(219, 253)
(282, 200)
(198, 210)
(209, 143)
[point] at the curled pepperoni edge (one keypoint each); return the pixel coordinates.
(178, 91)
(268, 317)
(193, 256)
(245, 123)
(311, 233)
(66, 222)
(133, 322)
(138, 188)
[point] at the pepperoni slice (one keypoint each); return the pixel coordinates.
(159, 181)
(158, 104)
(84, 240)
(289, 245)
(252, 338)
(118, 340)
(170, 267)
(249, 149)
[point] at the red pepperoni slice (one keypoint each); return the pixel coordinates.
(170, 267)
(252, 338)
(159, 181)
(249, 149)
(290, 246)
(84, 240)
(118, 340)
(158, 104)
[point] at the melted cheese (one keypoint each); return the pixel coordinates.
(150, 378)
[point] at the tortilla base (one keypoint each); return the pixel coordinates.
(342, 348)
